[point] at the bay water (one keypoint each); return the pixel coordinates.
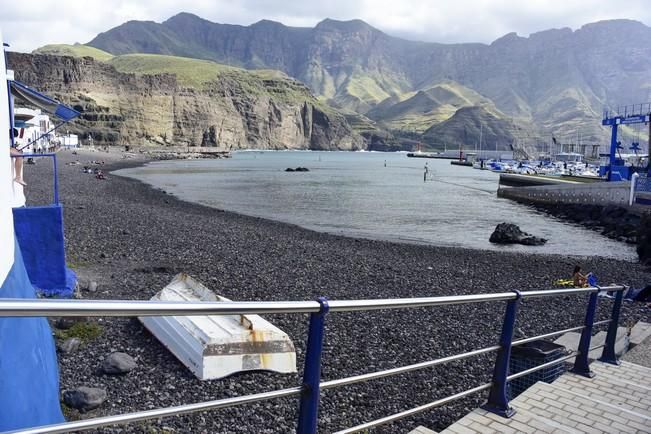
(372, 195)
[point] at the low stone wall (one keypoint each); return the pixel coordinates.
(603, 193)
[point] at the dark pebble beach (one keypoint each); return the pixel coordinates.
(132, 239)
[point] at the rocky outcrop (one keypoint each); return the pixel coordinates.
(237, 110)
(615, 222)
(508, 233)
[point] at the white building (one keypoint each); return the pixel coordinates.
(34, 130)
(69, 141)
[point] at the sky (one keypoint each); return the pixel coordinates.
(448, 21)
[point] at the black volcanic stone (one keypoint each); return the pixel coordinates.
(84, 398)
(118, 363)
(508, 233)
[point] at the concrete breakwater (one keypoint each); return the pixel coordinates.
(601, 193)
(599, 206)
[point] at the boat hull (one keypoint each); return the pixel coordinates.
(217, 346)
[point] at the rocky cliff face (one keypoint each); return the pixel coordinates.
(234, 111)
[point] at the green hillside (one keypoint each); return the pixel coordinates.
(76, 50)
(363, 90)
(467, 125)
(420, 110)
(189, 72)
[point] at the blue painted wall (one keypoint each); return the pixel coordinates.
(39, 231)
(29, 377)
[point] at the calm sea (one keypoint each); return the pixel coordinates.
(372, 195)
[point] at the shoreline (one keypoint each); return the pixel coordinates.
(132, 238)
(629, 255)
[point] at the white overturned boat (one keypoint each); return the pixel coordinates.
(219, 345)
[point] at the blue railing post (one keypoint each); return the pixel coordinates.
(608, 355)
(581, 366)
(309, 407)
(55, 181)
(498, 401)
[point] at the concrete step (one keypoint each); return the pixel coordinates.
(607, 389)
(422, 430)
(640, 354)
(616, 400)
(626, 371)
(482, 421)
(577, 412)
(571, 342)
(640, 332)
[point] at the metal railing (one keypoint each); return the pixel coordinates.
(309, 391)
(628, 110)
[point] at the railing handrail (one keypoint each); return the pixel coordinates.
(310, 390)
(126, 308)
(281, 393)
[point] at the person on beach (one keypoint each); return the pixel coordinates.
(18, 161)
(580, 280)
(425, 173)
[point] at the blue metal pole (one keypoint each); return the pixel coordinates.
(581, 366)
(608, 355)
(613, 149)
(11, 107)
(309, 407)
(56, 179)
(498, 401)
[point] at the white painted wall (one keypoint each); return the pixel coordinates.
(6, 181)
(70, 140)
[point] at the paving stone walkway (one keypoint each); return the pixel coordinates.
(616, 400)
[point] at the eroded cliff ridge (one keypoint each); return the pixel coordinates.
(233, 109)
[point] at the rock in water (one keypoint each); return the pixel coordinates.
(84, 398)
(508, 233)
(118, 363)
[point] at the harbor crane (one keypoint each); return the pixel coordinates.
(616, 168)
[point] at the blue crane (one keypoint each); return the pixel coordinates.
(628, 115)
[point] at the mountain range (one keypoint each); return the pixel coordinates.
(552, 83)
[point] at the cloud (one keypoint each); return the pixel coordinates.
(69, 21)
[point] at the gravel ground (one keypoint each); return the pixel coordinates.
(132, 239)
